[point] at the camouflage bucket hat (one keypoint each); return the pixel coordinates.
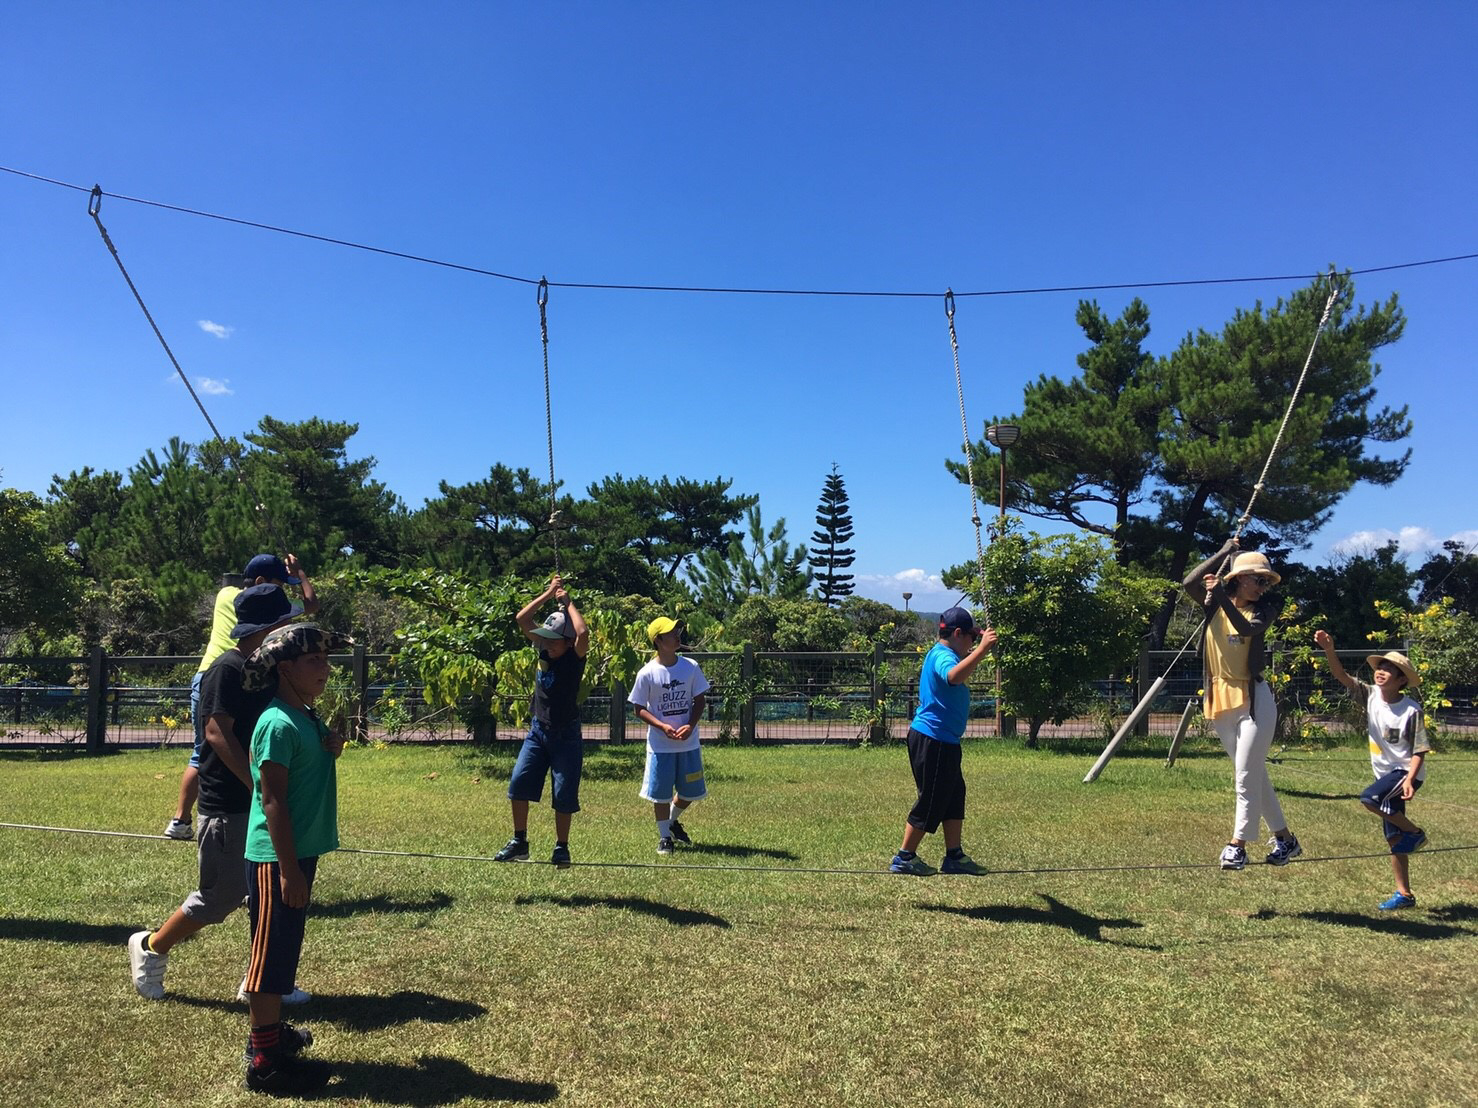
(285, 644)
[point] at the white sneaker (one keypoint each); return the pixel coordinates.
(1233, 857)
(179, 829)
(297, 996)
(146, 967)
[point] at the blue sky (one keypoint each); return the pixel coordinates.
(812, 146)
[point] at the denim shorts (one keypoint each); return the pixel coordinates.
(195, 719)
(679, 771)
(559, 755)
(1385, 795)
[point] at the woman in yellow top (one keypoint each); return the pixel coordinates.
(1239, 703)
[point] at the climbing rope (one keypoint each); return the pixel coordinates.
(954, 345)
(94, 209)
(543, 295)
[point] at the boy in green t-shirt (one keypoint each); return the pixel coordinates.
(293, 821)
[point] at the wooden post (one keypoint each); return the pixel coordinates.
(97, 700)
(1142, 728)
(746, 683)
(359, 677)
(878, 691)
(617, 712)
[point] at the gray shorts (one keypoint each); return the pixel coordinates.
(221, 846)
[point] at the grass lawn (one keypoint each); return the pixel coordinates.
(447, 982)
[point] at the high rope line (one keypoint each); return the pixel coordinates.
(954, 345)
(1159, 683)
(543, 297)
(1132, 867)
(600, 286)
(94, 209)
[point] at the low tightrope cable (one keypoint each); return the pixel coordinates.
(1139, 867)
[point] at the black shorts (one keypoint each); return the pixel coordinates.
(276, 929)
(940, 780)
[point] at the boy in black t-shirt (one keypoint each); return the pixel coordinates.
(554, 745)
(230, 713)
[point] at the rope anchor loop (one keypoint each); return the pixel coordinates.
(949, 304)
(95, 201)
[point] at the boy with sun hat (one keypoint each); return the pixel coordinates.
(1398, 753)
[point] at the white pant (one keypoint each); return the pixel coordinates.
(1246, 741)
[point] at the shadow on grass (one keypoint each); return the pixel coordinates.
(737, 850)
(1056, 914)
(385, 902)
(680, 917)
(430, 1081)
(1455, 913)
(1300, 793)
(360, 1011)
(64, 931)
(1405, 926)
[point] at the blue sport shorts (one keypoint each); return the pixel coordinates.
(559, 755)
(679, 772)
(1385, 796)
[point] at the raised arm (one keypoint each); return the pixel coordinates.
(1323, 640)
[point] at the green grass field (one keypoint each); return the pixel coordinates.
(461, 982)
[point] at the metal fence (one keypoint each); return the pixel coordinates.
(104, 700)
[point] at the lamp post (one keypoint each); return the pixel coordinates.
(906, 598)
(1002, 435)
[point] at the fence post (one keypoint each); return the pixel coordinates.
(1142, 727)
(618, 712)
(359, 677)
(97, 700)
(878, 709)
(746, 683)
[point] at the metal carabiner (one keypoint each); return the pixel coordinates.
(543, 291)
(95, 201)
(949, 304)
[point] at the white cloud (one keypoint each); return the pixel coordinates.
(213, 387)
(1411, 542)
(219, 330)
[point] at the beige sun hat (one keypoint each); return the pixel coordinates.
(1401, 662)
(1251, 562)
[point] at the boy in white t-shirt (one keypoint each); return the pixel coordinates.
(1398, 753)
(668, 695)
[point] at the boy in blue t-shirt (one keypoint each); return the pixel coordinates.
(293, 821)
(934, 746)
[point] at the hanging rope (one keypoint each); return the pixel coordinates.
(94, 209)
(954, 345)
(548, 416)
(1159, 683)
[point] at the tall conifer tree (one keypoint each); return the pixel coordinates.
(830, 554)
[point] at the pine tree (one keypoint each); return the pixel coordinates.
(829, 553)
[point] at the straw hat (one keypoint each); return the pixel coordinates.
(1252, 562)
(1401, 662)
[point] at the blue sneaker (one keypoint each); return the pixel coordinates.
(1409, 842)
(1233, 857)
(517, 850)
(1397, 902)
(963, 864)
(560, 859)
(1283, 851)
(912, 867)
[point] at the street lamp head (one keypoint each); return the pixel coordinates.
(1003, 435)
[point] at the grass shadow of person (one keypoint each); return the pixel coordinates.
(679, 917)
(1056, 914)
(430, 1081)
(360, 1011)
(1305, 795)
(1389, 924)
(64, 930)
(1454, 913)
(738, 850)
(385, 902)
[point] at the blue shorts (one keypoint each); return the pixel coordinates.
(679, 772)
(560, 755)
(1385, 796)
(276, 929)
(197, 721)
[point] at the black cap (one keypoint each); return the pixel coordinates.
(260, 608)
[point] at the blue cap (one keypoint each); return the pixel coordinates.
(260, 608)
(271, 567)
(955, 619)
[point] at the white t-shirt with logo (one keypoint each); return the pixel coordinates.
(1396, 730)
(668, 693)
